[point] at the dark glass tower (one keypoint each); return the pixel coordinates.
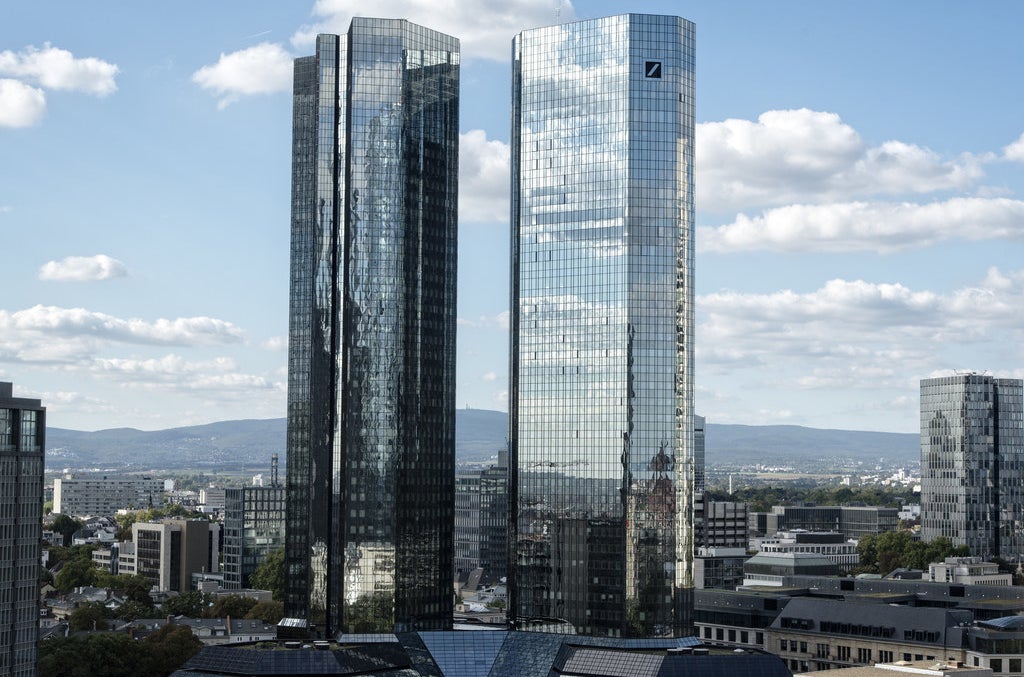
(601, 375)
(371, 355)
(22, 441)
(972, 463)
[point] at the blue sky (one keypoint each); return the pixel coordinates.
(860, 198)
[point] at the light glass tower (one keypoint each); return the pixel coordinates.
(972, 463)
(371, 354)
(601, 367)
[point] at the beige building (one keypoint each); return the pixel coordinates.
(967, 571)
(169, 552)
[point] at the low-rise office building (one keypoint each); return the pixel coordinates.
(99, 495)
(968, 571)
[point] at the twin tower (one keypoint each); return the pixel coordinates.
(601, 363)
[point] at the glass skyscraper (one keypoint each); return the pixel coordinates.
(22, 443)
(972, 463)
(371, 355)
(601, 367)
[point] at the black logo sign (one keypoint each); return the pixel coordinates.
(652, 69)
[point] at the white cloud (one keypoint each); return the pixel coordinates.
(867, 331)
(812, 156)
(1015, 151)
(864, 226)
(484, 28)
(483, 179)
(276, 343)
(499, 321)
(55, 68)
(262, 69)
(83, 269)
(25, 328)
(489, 376)
(20, 105)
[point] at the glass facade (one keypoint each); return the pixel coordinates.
(371, 363)
(253, 528)
(22, 441)
(972, 463)
(601, 402)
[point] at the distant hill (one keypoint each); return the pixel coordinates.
(479, 434)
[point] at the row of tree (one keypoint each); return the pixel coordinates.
(118, 655)
(761, 498)
(883, 553)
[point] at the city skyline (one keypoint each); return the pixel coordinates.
(866, 161)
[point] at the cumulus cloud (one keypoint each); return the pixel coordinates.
(499, 321)
(484, 28)
(26, 326)
(55, 68)
(216, 373)
(865, 226)
(812, 156)
(21, 105)
(867, 330)
(1015, 151)
(262, 69)
(83, 269)
(276, 343)
(483, 179)
(489, 376)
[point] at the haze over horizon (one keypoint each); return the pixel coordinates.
(860, 204)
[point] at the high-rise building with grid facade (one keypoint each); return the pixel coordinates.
(371, 354)
(972, 463)
(22, 444)
(601, 375)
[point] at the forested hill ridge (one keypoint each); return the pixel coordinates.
(479, 433)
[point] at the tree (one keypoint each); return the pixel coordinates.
(235, 606)
(90, 616)
(66, 526)
(269, 575)
(268, 612)
(191, 604)
(169, 647)
(131, 610)
(75, 574)
(112, 655)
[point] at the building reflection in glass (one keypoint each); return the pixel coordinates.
(602, 325)
(371, 396)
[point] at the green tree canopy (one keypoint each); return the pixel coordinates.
(191, 604)
(90, 616)
(235, 606)
(118, 655)
(66, 526)
(74, 574)
(269, 575)
(268, 612)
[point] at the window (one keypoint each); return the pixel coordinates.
(783, 645)
(996, 664)
(863, 655)
(803, 647)
(885, 657)
(843, 653)
(821, 650)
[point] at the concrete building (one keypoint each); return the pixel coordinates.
(601, 378)
(851, 521)
(719, 524)
(81, 495)
(372, 318)
(968, 571)
(972, 463)
(22, 445)
(169, 552)
(831, 545)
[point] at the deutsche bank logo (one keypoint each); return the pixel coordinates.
(652, 69)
